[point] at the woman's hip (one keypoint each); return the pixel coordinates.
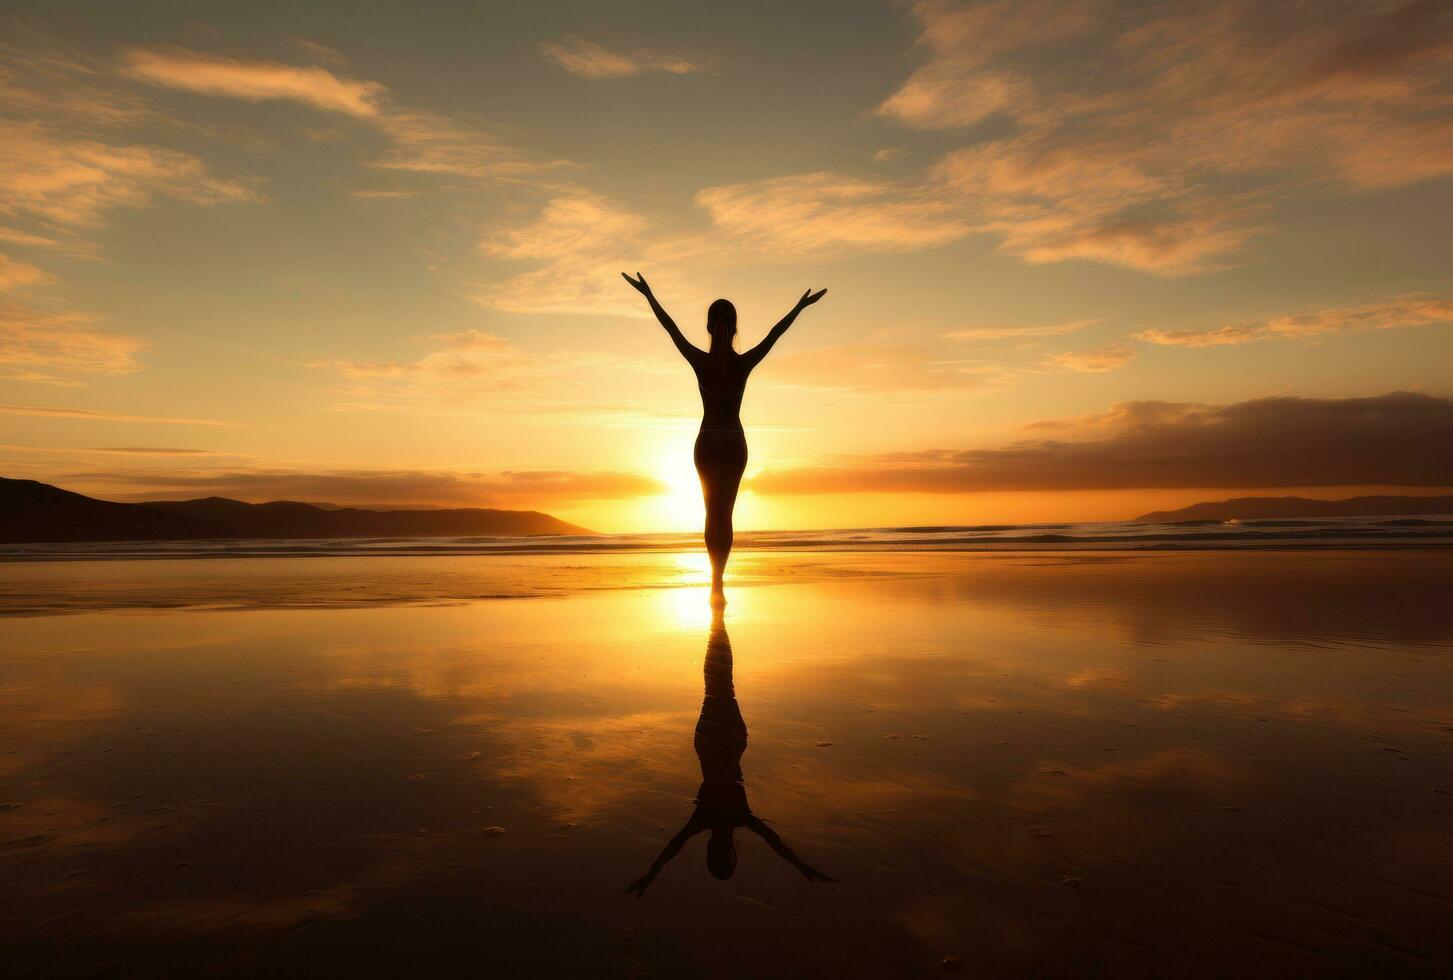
(721, 448)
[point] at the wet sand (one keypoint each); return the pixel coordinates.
(1194, 764)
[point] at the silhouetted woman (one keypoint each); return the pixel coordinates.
(721, 802)
(721, 445)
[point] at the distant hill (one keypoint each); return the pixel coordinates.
(1263, 508)
(37, 512)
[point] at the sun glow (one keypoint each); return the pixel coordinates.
(680, 507)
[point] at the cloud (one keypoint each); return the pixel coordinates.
(585, 241)
(473, 371)
(419, 141)
(1152, 138)
(319, 52)
(34, 344)
(392, 487)
(158, 451)
(883, 366)
(464, 369)
(997, 333)
(428, 143)
(40, 80)
(14, 273)
(100, 416)
(1396, 439)
(828, 212)
(590, 60)
(1392, 314)
(67, 180)
(254, 81)
(1094, 361)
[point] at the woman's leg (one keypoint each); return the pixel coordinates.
(721, 457)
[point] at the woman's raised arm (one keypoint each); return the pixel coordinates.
(755, 355)
(687, 349)
(694, 825)
(780, 846)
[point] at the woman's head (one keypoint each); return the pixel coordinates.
(721, 323)
(721, 850)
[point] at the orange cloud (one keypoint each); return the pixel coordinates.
(997, 333)
(73, 181)
(584, 240)
(428, 143)
(1402, 311)
(472, 371)
(99, 416)
(14, 273)
(33, 344)
(1094, 361)
(826, 212)
(254, 81)
(419, 141)
(1388, 440)
(883, 366)
(1152, 140)
(590, 60)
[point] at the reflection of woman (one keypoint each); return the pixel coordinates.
(721, 802)
(721, 445)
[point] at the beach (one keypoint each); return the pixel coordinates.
(1048, 763)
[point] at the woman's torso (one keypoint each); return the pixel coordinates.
(722, 382)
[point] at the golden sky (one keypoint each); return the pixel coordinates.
(1084, 259)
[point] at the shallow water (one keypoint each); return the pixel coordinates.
(1045, 764)
(1427, 531)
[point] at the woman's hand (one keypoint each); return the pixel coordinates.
(640, 283)
(639, 886)
(808, 298)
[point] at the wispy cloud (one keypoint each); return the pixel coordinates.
(1094, 361)
(319, 52)
(472, 371)
(65, 158)
(1387, 440)
(1149, 139)
(580, 242)
(998, 333)
(14, 273)
(59, 178)
(827, 212)
(158, 451)
(254, 81)
(419, 141)
(428, 143)
(1392, 314)
(93, 415)
(48, 347)
(591, 60)
(887, 367)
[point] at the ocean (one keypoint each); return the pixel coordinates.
(1346, 532)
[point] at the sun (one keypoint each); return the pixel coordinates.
(682, 508)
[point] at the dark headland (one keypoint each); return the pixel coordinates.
(33, 512)
(1266, 508)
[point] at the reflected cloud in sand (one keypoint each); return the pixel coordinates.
(1235, 761)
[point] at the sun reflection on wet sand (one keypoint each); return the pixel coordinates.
(1038, 766)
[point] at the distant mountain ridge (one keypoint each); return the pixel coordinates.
(1263, 508)
(33, 512)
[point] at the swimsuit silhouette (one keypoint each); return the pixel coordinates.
(721, 445)
(721, 801)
